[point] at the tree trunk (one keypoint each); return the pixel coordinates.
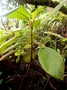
(49, 3)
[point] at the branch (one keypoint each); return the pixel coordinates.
(49, 3)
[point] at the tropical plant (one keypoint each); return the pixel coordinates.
(24, 39)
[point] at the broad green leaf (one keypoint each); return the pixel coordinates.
(8, 43)
(35, 13)
(52, 62)
(20, 13)
(36, 23)
(8, 12)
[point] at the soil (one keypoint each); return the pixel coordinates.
(28, 76)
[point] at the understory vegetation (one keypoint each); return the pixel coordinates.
(33, 48)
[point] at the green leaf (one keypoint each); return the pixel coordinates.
(18, 58)
(8, 12)
(52, 62)
(27, 56)
(35, 13)
(8, 43)
(9, 88)
(10, 48)
(36, 23)
(0, 73)
(19, 52)
(3, 39)
(56, 9)
(20, 13)
(1, 80)
(1, 32)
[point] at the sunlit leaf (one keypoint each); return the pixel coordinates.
(3, 39)
(20, 13)
(27, 46)
(52, 62)
(8, 12)
(8, 43)
(36, 12)
(19, 52)
(10, 48)
(1, 32)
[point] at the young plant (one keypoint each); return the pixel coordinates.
(51, 61)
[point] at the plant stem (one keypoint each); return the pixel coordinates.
(31, 26)
(31, 46)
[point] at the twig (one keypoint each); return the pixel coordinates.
(53, 88)
(48, 77)
(6, 55)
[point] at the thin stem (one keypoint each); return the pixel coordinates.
(30, 58)
(31, 26)
(31, 46)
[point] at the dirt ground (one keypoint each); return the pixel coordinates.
(24, 76)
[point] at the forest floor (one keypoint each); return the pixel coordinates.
(24, 76)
